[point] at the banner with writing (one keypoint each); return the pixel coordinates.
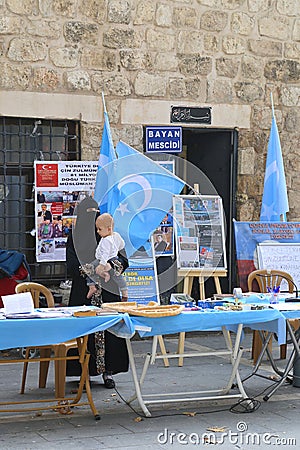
(248, 235)
(141, 279)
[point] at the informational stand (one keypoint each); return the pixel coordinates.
(248, 235)
(200, 243)
(141, 280)
(200, 239)
(187, 289)
(142, 283)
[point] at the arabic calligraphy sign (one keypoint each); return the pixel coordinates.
(185, 114)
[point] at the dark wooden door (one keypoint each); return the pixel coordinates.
(214, 152)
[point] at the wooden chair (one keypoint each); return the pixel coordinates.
(60, 350)
(267, 278)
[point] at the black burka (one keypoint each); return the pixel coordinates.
(116, 355)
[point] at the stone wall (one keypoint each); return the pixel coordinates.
(228, 52)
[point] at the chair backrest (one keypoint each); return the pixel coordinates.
(36, 290)
(269, 278)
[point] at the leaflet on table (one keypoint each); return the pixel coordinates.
(286, 306)
(43, 313)
(18, 303)
(47, 313)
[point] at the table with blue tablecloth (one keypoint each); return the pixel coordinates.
(38, 332)
(206, 320)
(213, 320)
(16, 333)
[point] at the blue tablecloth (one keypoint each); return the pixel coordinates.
(212, 320)
(16, 333)
(263, 299)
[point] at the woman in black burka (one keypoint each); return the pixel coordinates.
(108, 352)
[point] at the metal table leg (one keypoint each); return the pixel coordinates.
(290, 362)
(223, 393)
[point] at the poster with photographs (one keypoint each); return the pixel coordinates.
(163, 236)
(59, 187)
(200, 232)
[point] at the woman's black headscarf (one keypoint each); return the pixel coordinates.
(84, 231)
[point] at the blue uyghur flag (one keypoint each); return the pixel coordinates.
(107, 155)
(275, 200)
(142, 193)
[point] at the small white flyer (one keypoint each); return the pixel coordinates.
(18, 303)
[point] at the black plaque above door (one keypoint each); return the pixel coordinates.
(186, 114)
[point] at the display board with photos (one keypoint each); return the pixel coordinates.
(59, 187)
(199, 232)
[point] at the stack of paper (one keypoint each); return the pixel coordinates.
(16, 304)
(21, 306)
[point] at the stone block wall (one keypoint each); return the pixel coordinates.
(205, 52)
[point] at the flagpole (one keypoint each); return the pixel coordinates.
(272, 105)
(281, 216)
(275, 200)
(103, 101)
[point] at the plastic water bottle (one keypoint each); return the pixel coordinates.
(274, 294)
(274, 298)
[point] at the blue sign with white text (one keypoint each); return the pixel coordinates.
(163, 139)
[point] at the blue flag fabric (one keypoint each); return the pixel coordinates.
(141, 192)
(275, 199)
(107, 155)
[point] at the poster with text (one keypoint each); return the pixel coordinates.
(248, 235)
(59, 187)
(141, 279)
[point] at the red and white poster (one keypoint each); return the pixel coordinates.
(59, 187)
(46, 175)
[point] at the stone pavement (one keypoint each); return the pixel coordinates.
(172, 426)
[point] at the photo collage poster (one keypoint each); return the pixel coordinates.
(163, 236)
(59, 187)
(199, 231)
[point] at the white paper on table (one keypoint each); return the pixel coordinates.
(290, 306)
(18, 303)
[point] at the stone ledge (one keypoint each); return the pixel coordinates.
(133, 111)
(51, 106)
(157, 112)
